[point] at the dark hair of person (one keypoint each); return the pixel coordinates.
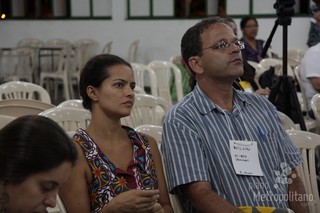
(245, 19)
(33, 144)
(95, 72)
(191, 43)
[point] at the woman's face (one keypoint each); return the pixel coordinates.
(115, 96)
(250, 29)
(38, 191)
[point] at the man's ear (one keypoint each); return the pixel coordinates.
(91, 91)
(195, 64)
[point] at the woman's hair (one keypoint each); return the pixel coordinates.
(32, 144)
(95, 72)
(245, 19)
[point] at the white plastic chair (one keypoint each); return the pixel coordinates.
(23, 90)
(141, 72)
(139, 90)
(259, 70)
(5, 119)
(19, 64)
(57, 42)
(66, 63)
(133, 50)
(176, 59)
(73, 103)
(295, 56)
(147, 109)
(86, 48)
(20, 107)
(287, 122)
(308, 144)
(155, 131)
(69, 118)
(164, 71)
(30, 42)
(266, 63)
(107, 48)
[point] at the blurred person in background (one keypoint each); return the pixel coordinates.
(253, 46)
(314, 32)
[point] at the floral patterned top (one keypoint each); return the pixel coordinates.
(108, 180)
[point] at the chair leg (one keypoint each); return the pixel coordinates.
(66, 89)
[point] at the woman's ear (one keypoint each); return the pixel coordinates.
(91, 91)
(195, 64)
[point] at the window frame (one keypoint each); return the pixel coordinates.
(67, 17)
(251, 3)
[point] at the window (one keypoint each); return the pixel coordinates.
(144, 9)
(56, 9)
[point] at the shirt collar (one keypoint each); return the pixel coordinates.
(205, 105)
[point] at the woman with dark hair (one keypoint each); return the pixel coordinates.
(253, 47)
(119, 170)
(36, 156)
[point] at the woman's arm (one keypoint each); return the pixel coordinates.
(74, 193)
(164, 199)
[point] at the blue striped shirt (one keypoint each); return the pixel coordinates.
(195, 147)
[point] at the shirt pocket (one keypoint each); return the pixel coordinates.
(269, 152)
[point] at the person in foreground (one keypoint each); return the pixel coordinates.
(119, 170)
(225, 150)
(36, 156)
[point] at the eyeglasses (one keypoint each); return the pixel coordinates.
(226, 44)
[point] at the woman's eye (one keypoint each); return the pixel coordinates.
(133, 86)
(119, 85)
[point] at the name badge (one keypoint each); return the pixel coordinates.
(246, 86)
(245, 157)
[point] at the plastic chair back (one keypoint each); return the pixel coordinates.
(287, 122)
(164, 71)
(140, 71)
(23, 90)
(30, 42)
(70, 119)
(107, 48)
(133, 50)
(19, 64)
(147, 109)
(73, 103)
(308, 144)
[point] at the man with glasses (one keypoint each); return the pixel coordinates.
(225, 150)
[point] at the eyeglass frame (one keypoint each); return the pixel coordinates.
(227, 44)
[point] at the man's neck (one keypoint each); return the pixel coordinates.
(220, 94)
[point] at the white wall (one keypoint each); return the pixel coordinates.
(159, 39)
